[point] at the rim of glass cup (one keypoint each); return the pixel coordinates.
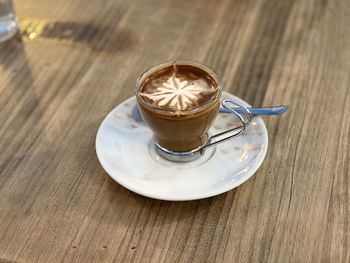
(210, 71)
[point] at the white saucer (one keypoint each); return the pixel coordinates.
(125, 150)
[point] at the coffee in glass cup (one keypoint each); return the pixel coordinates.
(179, 101)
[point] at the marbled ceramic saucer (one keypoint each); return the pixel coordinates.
(125, 150)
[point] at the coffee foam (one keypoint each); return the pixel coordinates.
(179, 87)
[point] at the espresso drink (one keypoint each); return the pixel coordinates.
(179, 101)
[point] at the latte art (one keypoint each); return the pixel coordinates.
(179, 89)
(179, 94)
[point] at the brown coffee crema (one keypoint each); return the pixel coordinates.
(179, 87)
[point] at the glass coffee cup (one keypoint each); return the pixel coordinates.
(179, 101)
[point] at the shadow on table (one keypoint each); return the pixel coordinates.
(18, 98)
(166, 212)
(99, 40)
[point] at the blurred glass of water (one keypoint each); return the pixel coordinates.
(8, 22)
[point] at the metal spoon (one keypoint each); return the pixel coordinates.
(276, 110)
(254, 111)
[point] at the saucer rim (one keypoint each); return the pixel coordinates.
(130, 186)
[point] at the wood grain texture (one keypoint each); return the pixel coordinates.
(58, 205)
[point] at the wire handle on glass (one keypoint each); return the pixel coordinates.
(240, 129)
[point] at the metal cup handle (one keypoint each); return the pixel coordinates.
(213, 140)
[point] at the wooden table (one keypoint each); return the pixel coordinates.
(76, 60)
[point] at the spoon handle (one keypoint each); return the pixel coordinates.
(260, 111)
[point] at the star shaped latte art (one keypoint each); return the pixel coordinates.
(178, 95)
